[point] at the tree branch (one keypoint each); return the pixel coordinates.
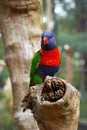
(55, 104)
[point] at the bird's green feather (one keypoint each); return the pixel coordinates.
(34, 77)
(34, 63)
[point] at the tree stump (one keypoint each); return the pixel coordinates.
(54, 104)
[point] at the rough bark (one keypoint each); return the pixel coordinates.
(55, 105)
(21, 27)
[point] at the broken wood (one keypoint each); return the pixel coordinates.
(54, 104)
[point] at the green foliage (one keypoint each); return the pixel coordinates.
(83, 107)
(77, 41)
(3, 77)
(5, 73)
(67, 23)
(81, 8)
(6, 121)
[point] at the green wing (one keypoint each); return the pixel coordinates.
(34, 65)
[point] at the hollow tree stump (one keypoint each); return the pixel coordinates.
(54, 104)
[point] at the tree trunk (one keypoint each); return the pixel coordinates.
(21, 27)
(84, 56)
(69, 63)
(81, 15)
(55, 105)
(49, 15)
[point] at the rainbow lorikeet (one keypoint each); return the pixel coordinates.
(46, 61)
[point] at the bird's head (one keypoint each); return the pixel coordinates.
(47, 41)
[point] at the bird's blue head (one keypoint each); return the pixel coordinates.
(47, 41)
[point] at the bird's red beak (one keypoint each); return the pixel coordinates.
(45, 40)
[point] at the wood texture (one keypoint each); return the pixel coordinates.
(21, 28)
(52, 110)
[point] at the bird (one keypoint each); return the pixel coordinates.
(46, 61)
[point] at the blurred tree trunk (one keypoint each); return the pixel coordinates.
(81, 15)
(49, 15)
(21, 27)
(55, 21)
(85, 68)
(69, 63)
